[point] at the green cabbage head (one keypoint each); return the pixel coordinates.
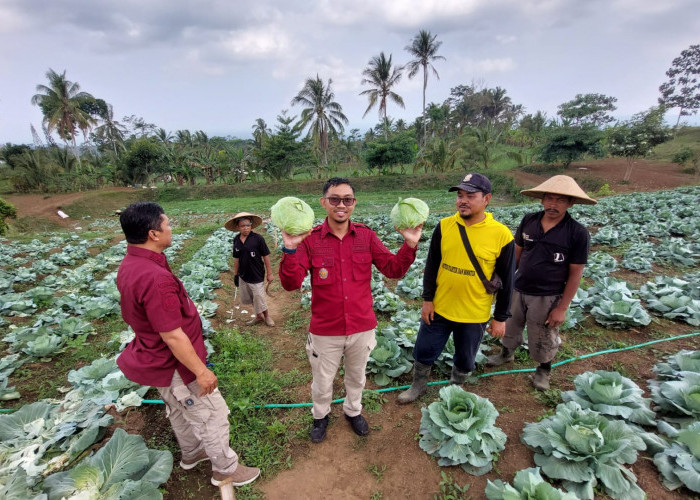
(292, 215)
(584, 449)
(459, 430)
(409, 212)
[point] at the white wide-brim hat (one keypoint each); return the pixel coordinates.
(232, 223)
(563, 185)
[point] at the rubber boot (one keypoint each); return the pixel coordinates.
(505, 356)
(419, 385)
(541, 379)
(458, 377)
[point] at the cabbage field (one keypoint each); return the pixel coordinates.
(58, 297)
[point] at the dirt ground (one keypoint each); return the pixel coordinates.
(389, 464)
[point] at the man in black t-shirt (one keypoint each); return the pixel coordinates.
(251, 259)
(551, 250)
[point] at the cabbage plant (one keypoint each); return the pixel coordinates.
(678, 400)
(387, 361)
(409, 212)
(679, 463)
(460, 430)
(292, 215)
(123, 468)
(581, 447)
(528, 484)
(611, 394)
(682, 361)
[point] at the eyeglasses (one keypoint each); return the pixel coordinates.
(348, 201)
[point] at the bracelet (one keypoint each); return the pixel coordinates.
(289, 250)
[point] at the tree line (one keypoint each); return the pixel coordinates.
(475, 127)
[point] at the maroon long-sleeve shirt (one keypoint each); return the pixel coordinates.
(341, 272)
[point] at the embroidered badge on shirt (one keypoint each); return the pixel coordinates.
(252, 254)
(323, 273)
(558, 257)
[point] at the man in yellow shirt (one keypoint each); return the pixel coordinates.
(455, 300)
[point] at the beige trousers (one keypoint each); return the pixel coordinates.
(325, 353)
(253, 293)
(199, 423)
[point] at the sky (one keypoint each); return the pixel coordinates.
(218, 65)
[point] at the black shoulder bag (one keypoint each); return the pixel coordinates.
(492, 285)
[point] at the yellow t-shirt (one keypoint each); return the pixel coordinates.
(460, 295)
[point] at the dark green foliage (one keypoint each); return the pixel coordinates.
(567, 144)
(10, 153)
(143, 160)
(591, 109)
(281, 152)
(386, 153)
(6, 210)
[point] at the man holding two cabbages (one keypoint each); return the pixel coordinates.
(339, 255)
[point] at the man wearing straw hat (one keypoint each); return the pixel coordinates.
(551, 250)
(251, 259)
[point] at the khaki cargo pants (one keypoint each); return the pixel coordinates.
(199, 423)
(325, 353)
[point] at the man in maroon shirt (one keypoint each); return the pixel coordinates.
(339, 255)
(168, 351)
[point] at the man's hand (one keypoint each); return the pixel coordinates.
(412, 235)
(270, 277)
(206, 380)
(427, 312)
(497, 329)
(556, 317)
(235, 280)
(291, 242)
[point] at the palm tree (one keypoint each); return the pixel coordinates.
(111, 131)
(260, 132)
(381, 76)
(60, 103)
(423, 48)
(322, 112)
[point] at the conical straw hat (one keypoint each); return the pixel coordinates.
(563, 185)
(232, 223)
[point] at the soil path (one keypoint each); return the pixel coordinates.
(47, 206)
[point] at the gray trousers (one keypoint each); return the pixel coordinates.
(532, 311)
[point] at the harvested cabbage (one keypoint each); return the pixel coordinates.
(292, 215)
(409, 212)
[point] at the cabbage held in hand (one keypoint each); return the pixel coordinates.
(409, 212)
(292, 215)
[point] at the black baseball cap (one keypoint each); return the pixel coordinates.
(473, 183)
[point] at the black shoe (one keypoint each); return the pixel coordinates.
(359, 425)
(318, 431)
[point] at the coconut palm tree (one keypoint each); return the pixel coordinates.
(260, 132)
(381, 76)
(60, 102)
(423, 48)
(323, 114)
(111, 131)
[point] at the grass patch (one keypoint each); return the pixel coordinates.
(244, 366)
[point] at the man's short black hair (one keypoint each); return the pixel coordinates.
(139, 218)
(337, 181)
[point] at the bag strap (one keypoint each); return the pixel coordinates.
(470, 252)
